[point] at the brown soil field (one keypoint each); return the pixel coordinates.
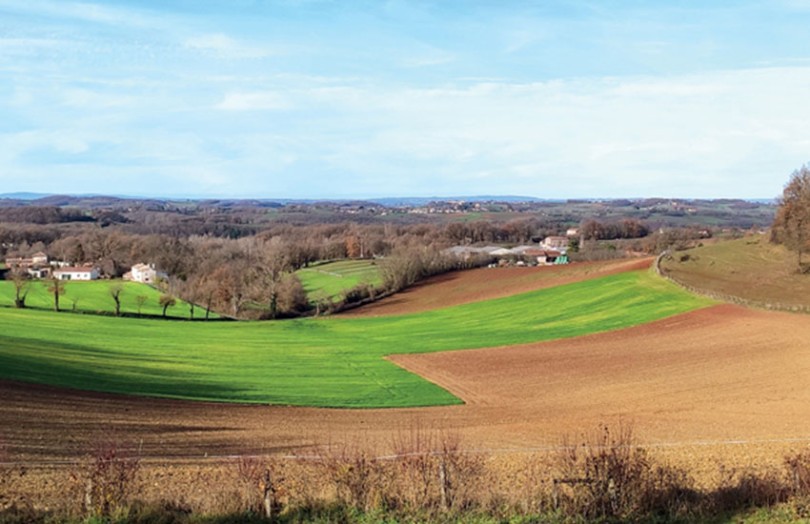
(475, 285)
(722, 384)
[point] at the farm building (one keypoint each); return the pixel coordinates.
(552, 257)
(555, 243)
(39, 271)
(144, 273)
(35, 260)
(76, 273)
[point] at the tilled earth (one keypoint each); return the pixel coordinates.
(720, 385)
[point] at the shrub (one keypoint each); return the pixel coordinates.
(108, 478)
(608, 476)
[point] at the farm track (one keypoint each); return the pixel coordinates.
(719, 380)
(477, 285)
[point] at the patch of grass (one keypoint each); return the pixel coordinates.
(330, 280)
(336, 362)
(94, 297)
(750, 267)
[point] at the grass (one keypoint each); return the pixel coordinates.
(331, 279)
(750, 267)
(336, 362)
(94, 297)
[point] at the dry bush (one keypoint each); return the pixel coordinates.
(529, 488)
(248, 472)
(741, 489)
(798, 467)
(355, 474)
(431, 471)
(608, 476)
(258, 486)
(108, 478)
(460, 474)
(415, 470)
(6, 473)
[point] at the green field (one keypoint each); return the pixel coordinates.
(315, 361)
(331, 279)
(94, 297)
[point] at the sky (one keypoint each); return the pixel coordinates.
(364, 99)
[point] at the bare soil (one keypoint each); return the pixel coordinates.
(476, 285)
(719, 384)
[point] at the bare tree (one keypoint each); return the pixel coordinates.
(115, 292)
(56, 287)
(21, 285)
(792, 223)
(140, 300)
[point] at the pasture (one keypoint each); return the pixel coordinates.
(94, 297)
(330, 280)
(751, 268)
(332, 362)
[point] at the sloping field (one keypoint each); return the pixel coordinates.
(719, 380)
(94, 297)
(318, 362)
(476, 285)
(750, 267)
(332, 279)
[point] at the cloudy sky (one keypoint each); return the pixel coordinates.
(335, 99)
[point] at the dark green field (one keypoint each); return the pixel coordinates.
(312, 362)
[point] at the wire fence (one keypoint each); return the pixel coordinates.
(318, 456)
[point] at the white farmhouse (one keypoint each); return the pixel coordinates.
(144, 273)
(76, 273)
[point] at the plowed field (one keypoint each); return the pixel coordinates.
(476, 285)
(722, 378)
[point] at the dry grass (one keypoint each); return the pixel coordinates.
(605, 476)
(750, 268)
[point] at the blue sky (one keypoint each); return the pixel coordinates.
(336, 99)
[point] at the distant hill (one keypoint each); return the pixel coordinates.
(421, 201)
(23, 196)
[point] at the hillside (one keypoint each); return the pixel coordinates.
(750, 268)
(313, 362)
(478, 285)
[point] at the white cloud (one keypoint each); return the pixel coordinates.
(429, 57)
(84, 11)
(257, 101)
(226, 47)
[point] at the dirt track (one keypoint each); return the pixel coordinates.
(693, 384)
(475, 285)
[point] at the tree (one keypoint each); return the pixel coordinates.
(167, 301)
(140, 300)
(791, 226)
(115, 292)
(56, 287)
(21, 284)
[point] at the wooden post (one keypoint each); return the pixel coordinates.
(268, 495)
(443, 483)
